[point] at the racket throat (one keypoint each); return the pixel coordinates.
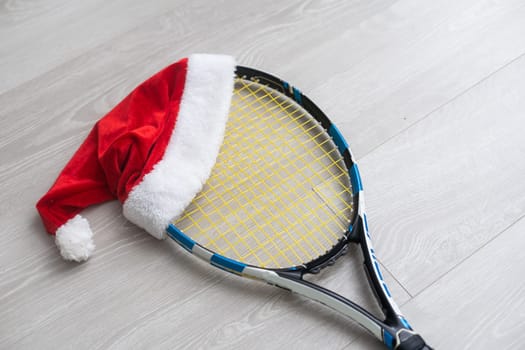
(391, 317)
(375, 277)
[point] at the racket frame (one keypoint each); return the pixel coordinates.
(394, 331)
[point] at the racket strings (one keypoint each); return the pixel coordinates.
(279, 194)
(291, 131)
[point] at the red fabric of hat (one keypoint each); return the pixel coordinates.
(153, 152)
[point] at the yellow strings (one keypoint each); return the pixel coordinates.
(279, 194)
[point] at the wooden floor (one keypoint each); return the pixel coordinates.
(430, 95)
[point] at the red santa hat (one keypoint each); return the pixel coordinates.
(153, 152)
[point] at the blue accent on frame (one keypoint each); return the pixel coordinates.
(286, 85)
(366, 222)
(297, 96)
(405, 323)
(387, 290)
(355, 179)
(339, 140)
(227, 264)
(378, 270)
(388, 339)
(185, 241)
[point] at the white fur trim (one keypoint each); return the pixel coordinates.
(166, 191)
(75, 239)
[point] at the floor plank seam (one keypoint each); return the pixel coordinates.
(397, 281)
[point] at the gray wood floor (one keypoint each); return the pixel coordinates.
(430, 94)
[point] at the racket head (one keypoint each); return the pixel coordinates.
(284, 193)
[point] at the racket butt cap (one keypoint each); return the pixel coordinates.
(410, 341)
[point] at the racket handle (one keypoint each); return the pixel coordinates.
(410, 341)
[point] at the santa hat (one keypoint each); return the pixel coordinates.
(153, 152)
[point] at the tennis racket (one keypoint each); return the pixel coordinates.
(285, 199)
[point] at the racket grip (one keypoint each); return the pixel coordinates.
(412, 342)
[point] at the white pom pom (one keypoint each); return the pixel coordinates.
(75, 239)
